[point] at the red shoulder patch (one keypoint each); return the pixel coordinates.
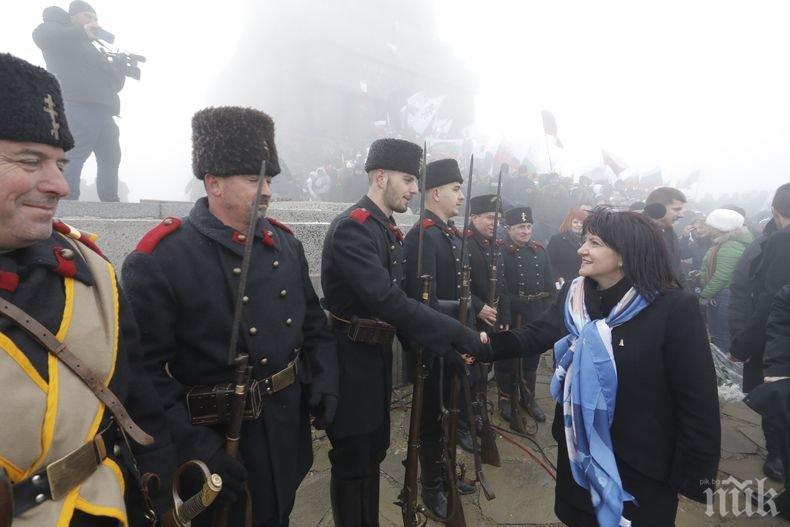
(537, 245)
(148, 243)
(360, 215)
(8, 281)
(87, 239)
(499, 243)
(280, 225)
(427, 223)
(469, 233)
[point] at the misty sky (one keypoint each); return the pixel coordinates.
(681, 85)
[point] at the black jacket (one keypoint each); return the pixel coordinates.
(480, 263)
(772, 273)
(776, 362)
(85, 75)
(362, 274)
(182, 281)
(441, 259)
(666, 422)
(674, 253)
(565, 259)
(528, 271)
(40, 292)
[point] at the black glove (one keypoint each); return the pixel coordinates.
(323, 407)
(233, 476)
(453, 361)
(467, 342)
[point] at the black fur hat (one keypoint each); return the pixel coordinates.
(31, 106)
(230, 140)
(484, 203)
(518, 215)
(394, 154)
(442, 172)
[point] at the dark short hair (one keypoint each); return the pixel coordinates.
(665, 196)
(638, 241)
(781, 201)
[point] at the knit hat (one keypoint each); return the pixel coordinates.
(230, 140)
(394, 154)
(31, 106)
(78, 6)
(724, 220)
(442, 172)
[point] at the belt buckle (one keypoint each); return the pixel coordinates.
(75, 467)
(284, 378)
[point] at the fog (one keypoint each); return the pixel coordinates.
(672, 86)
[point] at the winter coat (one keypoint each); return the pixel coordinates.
(776, 361)
(564, 259)
(720, 261)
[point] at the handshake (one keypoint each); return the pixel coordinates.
(472, 346)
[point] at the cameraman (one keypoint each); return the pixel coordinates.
(90, 86)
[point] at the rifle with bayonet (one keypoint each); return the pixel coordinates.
(489, 451)
(239, 359)
(460, 385)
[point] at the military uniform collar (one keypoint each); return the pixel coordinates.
(367, 204)
(436, 220)
(209, 225)
(55, 253)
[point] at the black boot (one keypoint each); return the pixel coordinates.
(464, 437)
(346, 498)
(505, 411)
(528, 401)
(434, 496)
(464, 487)
(370, 500)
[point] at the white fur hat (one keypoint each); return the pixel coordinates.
(724, 220)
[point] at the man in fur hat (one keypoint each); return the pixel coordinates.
(56, 277)
(362, 274)
(182, 280)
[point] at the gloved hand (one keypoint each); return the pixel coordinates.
(453, 361)
(469, 342)
(323, 407)
(233, 475)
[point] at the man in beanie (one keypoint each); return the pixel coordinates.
(91, 85)
(441, 259)
(362, 274)
(59, 279)
(530, 283)
(182, 280)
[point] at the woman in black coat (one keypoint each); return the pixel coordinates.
(563, 247)
(656, 410)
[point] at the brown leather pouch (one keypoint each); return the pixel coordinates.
(6, 500)
(370, 331)
(210, 405)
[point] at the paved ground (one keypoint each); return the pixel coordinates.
(524, 490)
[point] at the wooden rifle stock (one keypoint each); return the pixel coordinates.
(516, 415)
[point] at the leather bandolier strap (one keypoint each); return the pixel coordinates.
(45, 337)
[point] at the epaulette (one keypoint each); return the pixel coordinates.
(427, 223)
(537, 245)
(360, 215)
(86, 238)
(469, 233)
(148, 243)
(512, 248)
(280, 225)
(499, 243)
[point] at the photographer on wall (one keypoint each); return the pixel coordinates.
(91, 78)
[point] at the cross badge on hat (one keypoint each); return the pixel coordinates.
(49, 108)
(524, 218)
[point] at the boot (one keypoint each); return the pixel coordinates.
(528, 401)
(370, 500)
(504, 407)
(465, 488)
(464, 437)
(346, 498)
(434, 496)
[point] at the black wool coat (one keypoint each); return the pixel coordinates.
(182, 281)
(480, 262)
(666, 422)
(528, 271)
(563, 254)
(362, 275)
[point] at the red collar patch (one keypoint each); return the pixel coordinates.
(66, 266)
(280, 225)
(8, 281)
(396, 231)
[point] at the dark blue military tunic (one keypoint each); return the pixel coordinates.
(182, 282)
(528, 272)
(480, 262)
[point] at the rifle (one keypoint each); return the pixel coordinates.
(241, 361)
(516, 416)
(489, 451)
(183, 512)
(461, 382)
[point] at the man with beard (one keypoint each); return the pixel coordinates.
(441, 259)
(362, 274)
(183, 281)
(69, 353)
(528, 276)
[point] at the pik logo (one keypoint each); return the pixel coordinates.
(749, 498)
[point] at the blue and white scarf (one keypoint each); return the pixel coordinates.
(585, 382)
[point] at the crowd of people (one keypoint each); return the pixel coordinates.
(111, 382)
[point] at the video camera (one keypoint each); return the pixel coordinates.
(128, 63)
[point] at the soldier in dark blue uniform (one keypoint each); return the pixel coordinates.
(530, 286)
(362, 273)
(182, 281)
(441, 259)
(59, 278)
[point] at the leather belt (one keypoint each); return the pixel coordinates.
(534, 297)
(59, 477)
(45, 337)
(282, 379)
(366, 330)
